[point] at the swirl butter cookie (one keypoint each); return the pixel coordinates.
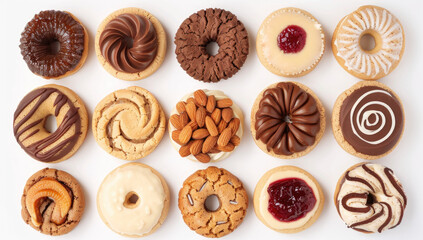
(368, 120)
(52, 202)
(130, 44)
(32, 113)
(129, 123)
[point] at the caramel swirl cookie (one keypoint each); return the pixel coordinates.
(198, 188)
(202, 28)
(129, 123)
(31, 115)
(52, 202)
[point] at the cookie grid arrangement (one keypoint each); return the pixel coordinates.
(287, 121)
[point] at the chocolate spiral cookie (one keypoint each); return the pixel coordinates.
(54, 44)
(203, 27)
(287, 120)
(31, 115)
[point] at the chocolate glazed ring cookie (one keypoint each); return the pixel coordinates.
(54, 44)
(52, 202)
(31, 115)
(130, 44)
(129, 123)
(287, 120)
(203, 27)
(369, 198)
(368, 120)
(233, 202)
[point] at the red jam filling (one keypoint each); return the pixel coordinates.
(290, 199)
(292, 39)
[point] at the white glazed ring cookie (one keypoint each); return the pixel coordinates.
(133, 200)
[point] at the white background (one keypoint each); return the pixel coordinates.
(326, 162)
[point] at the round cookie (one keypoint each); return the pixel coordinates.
(290, 42)
(200, 29)
(211, 140)
(54, 44)
(290, 184)
(52, 202)
(141, 43)
(133, 200)
(232, 197)
(31, 115)
(287, 120)
(389, 39)
(129, 123)
(368, 120)
(369, 198)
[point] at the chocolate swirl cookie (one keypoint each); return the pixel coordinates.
(129, 123)
(287, 120)
(369, 198)
(31, 115)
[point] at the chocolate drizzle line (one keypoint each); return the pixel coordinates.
(57, 149)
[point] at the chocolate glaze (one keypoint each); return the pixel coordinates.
(287, 119)
(56, 150)
(372, 135)
(129, 43)
(41, 32)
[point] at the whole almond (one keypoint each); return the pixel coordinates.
(202, 157)
(214, 150)
(211, 126)
(175, 136)
(209, 143)
(200, 133)
(185, 134)
(193, 125)
(224, 137)
(235, 140)
(227, 148)
(227, 114)
(200, 116)
(191, 109)
(211, 103)
(234, 125)
(184, 151)
(191, 99)
(216, 115)
(184, 119)
(176, 122)
(180, 107)
(224, 103)
(221, 126)
(201, 97)
(196, 147)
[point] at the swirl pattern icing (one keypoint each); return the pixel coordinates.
(370, 198)
(384, 26)
(287, 119)
(129, 43)
(371, 120)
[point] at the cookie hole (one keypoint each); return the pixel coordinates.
(287, 119)
(367, 42)
(370, 199)
(212, 203)
(50, 124)
(54, 47)
(212, 48)
(132, 200)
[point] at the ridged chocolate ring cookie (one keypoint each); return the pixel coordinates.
(52, 202)
(129, 123)
(31, 115)
(203, 27)
(233, 201)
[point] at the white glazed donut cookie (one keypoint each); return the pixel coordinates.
(133, 200)
(389, 40)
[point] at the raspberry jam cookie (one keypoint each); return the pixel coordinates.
(200, 29)
(206, 126)
(368, 120)
(133, 200)
(378, 61)
(288, 199)
(130, 44)
(54, 44)
(129, 123)
(213, 182)
(52, 202)
(287, 120)
(369, 198)
(290, 42)
(32, 113)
